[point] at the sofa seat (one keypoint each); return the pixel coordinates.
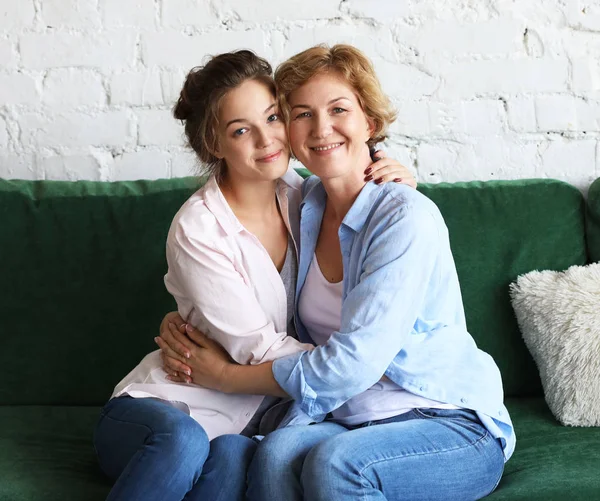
(551, 462)
(48, 455)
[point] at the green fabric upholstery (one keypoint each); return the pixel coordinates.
(48, 455)
(593, 222)
(82, 265)
(552, 462)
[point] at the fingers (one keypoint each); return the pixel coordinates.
(198, 337)
(172, 337)
(388, 170)
(175, 369)
(166, 349)
(379, 154)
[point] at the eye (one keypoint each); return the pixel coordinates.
(273, 118)
(304, 114)
(241, 131)
(337, 110)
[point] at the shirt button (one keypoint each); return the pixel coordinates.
(500, 413)
(464, 400)
(422, 388)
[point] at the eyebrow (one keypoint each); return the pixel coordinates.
(244, 120)
(330, 102)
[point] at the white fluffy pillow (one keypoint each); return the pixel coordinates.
(559, 317)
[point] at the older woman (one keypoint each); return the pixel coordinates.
(408, 407)
(232, 271)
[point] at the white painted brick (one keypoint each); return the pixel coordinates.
(291, 10)
(20, 166)
(110, 128)
(108, 49)
(140, 165)
(70, 13)
(375, 42)
(468, 78)
(405, 80)
(425, 118)
(177, 49)
(69, 167)
(493, 37)
(179, 13)
(73, 87)
(583, 14)
(556, 113)
(3, 134)
(438, 162)
(585, 75)
(18, 88)
(138, 13)
(159, 128)
(8, 59)
(521, 114)
(184, 164)
(567, 113)
(136, 88)
(380, 11)
(16, 14)
(573, 160)
(172, 83)
(482, 117)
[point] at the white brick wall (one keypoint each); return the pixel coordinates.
(484, 89)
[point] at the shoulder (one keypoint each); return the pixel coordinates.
(308, 184)
(403, 207)
(195, 221)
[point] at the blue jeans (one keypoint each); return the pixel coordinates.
(154, 451)
(424, 454)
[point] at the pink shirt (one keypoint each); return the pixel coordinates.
(226, 285)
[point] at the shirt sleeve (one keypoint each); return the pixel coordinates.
(203, 279)
(378, 315)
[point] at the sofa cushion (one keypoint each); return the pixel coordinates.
(551, 462)
(593, 221)
(83, 263)
(46, 453)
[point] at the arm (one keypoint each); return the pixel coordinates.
(213, 294)
(377, 317)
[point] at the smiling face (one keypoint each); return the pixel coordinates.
(328, 128)
(252, 137)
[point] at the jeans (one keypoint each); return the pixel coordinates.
(154, 451)
(424, 454)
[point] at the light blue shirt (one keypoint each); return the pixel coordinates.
(402, 313)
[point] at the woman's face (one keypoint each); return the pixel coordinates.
(328, 128)
(252, 137)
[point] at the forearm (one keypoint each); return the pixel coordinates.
(252, 380)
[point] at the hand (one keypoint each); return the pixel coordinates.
(208, 362)
(386, 169)
(176, 348)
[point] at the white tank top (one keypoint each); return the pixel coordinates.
(320, 309)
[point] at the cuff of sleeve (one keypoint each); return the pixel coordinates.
(289, 374)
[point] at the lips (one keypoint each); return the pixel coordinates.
(271, 157)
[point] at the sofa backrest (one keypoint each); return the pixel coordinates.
(82, 266)
(593, 222)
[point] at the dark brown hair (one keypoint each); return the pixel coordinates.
(201, 95)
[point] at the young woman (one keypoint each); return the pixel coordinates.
(232, 269)
(408, 407)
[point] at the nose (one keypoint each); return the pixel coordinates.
(264, 138)
(321, 126)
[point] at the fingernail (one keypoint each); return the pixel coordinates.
(188, 327)
(368, 171)
(171, 325)
(189, 373)
(379, 180)
(182, 325)
(368, 178)
(156, 340)
(398, 180)
(187, 355)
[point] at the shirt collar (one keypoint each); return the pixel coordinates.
(216, 203)
(316, 197)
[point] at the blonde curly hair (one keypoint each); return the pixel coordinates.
(353, 66)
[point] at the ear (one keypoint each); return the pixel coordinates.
(217, 151)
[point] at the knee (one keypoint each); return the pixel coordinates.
(183, 438)
(327, 461)
(233, 450)
(276, 450)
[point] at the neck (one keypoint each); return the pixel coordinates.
(343, 190)
(250, 200)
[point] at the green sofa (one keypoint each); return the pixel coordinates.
(82, 267)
